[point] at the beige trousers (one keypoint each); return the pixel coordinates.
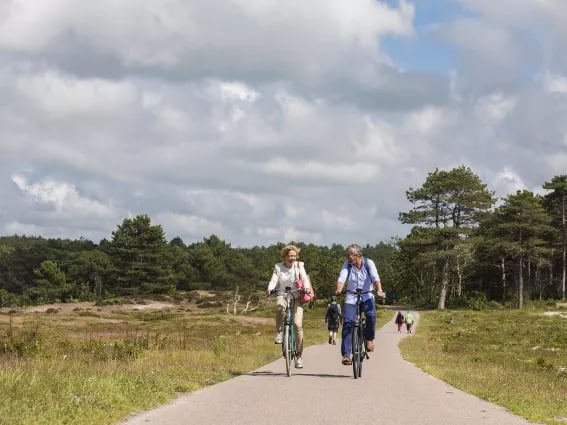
(297, 321)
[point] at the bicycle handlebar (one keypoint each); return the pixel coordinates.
(288, 290)
(358, 291)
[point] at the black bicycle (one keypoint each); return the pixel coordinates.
(358, 334)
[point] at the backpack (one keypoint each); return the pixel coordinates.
(349, 267)
(333, 312)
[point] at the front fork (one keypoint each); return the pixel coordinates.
(362, 329)
(288, 322)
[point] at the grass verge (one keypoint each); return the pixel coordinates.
(516, 359)
(97, 366)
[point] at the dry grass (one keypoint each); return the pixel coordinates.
(86, 364)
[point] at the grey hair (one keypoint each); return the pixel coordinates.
(356, 249)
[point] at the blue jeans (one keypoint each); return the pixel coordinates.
(349, 311)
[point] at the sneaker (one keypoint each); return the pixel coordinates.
(330, 339)
(299, 363)
(278, 338)
(369, 346)
(334, 342)
(347, 360)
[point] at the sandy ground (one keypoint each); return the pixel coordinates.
(70, 307)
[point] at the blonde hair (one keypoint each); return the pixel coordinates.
(287, 248)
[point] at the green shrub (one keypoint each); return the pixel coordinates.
(477, 301)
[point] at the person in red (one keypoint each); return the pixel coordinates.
(400, 320)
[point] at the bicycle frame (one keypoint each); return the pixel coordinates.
(288, 340)
(358, 334)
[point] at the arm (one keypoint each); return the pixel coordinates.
(341, 279)
(375, 277)
(378, 286)
(273, 280)
(303, 275)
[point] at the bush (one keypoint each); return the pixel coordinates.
(477, 301)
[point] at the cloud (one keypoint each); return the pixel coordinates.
(217, 37)
(553, 83)
(60, 96)
(63, 197)
(262, 123)
(494, 107)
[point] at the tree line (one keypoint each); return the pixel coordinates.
(464, 247)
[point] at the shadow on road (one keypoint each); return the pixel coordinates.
(317, 375)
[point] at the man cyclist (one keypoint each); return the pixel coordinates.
(361, 273)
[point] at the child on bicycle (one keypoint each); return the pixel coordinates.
(358, 272)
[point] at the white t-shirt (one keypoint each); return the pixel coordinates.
(284, 276)
(359, 279)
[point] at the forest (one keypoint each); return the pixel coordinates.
(465, 247)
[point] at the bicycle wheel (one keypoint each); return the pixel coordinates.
(362, 345)
(356, 352)
(287, 349)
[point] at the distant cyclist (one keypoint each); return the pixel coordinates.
(285, 274)
(361, 273)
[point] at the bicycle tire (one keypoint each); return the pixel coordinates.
(356, 353)
(287, 349)
(362, 339)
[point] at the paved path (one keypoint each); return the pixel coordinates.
(391, 391)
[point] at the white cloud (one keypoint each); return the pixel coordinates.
(336, 220)
(237, 91)
(262, 123)
(495, 107)
(508, 182)
(379, 144)
(427, 121)
(187, 226)
(213, 36)
(64, 197)
(17, 228)
(293, 234)
(553, 83)
(58, 96)
(296, 169)
(557, 163)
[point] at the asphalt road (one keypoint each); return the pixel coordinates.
(391, 391)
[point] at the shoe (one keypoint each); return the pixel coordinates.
(347, 360)
(299, 363)
(330, 339)
(278, 338)
(334, 342)
(369, 346)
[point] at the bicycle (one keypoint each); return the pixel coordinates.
(288, 338)
(358, 334)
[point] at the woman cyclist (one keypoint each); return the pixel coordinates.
(285, 274)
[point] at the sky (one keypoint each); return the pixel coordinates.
(263, 121)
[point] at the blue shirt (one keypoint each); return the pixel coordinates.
(359, 279)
